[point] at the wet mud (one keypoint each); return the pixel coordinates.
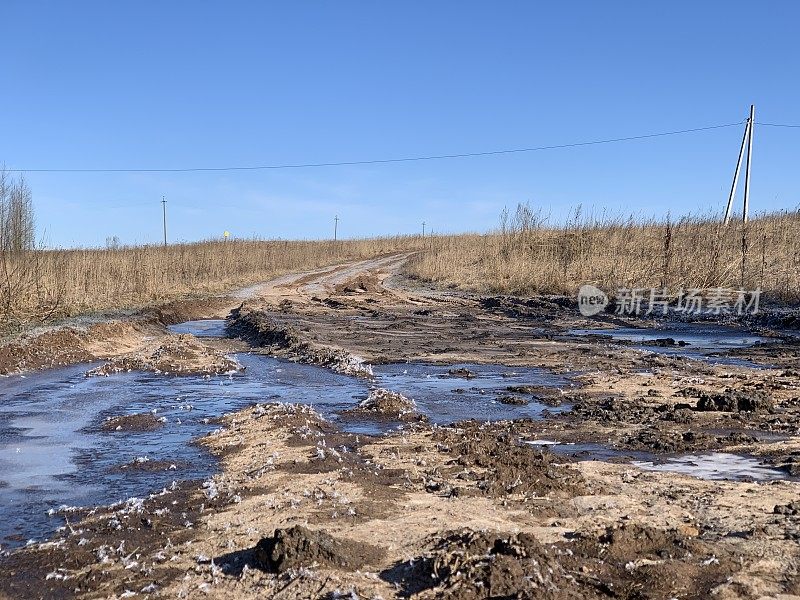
(639, 468)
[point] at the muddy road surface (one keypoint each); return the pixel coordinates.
(351, 433)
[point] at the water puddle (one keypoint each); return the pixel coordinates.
(203, 328)
(703, 465)
(715, 465)
(446, 398)
(56, 452)
(690, 340)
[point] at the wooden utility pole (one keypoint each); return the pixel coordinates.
(164, 206)
(752, 121)
(423, 229)
(747, 141)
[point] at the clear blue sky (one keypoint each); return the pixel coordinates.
(201, 84)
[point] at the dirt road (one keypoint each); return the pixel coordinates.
(471, 510)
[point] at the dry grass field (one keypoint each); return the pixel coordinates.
(39, 285)
(526, 256)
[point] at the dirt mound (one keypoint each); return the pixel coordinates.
(736, 401)
(179, 311)
(657, 439)
(360, 285)
(299, 546)
(541, 394)
(461, 372)
(629, 539)
(513, 400)
(793, 508)
(180, 354)
(387, 404)
(137, 422)
(625, 561)
(494, 463)
(259, 329)
(469, 564)
(50, 349)
(630, 560)
(664, 342)
(143, 464)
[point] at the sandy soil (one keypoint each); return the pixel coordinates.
(302, 510)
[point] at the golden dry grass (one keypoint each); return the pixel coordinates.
(526, 257)
(42, 285)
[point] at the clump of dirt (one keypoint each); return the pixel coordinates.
(664, 342)
(133, 423)
(736, 401)
(688, 392)
(298, 547)
(793, 508)
(470, 564)
(492, 462)
(790, 463)
(179, 354)
(461, 372)
(627, 539)
(660, 440)
(629, 558)
(387, 404)
(513, 400)
(360, 285)
(622, 561)
(144, 465)
(540, 394)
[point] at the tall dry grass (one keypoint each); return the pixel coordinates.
(67, 282)
(526, 256)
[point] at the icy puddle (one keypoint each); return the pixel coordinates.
(204, 328)
(692, 340)
(715, 465)
(704, 465)
(446, 398)
(54, 450)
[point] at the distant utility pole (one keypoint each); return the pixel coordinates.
(423, 229)
(164, 206)
(747, 140)
(335, 226)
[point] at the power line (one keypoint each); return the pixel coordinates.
(387, 160)
(777, 125)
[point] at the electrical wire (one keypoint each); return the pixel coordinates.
(778, 125)
(386, 160)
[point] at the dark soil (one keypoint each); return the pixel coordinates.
(496, 464)
(299, 546)
(386, 404)
(131, 423)
(736, 401)
(513, 400)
